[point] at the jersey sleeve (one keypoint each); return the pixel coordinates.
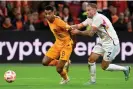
(97, 21)
(87, 22)
(62, 24)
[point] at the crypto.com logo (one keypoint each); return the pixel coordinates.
(81, 49)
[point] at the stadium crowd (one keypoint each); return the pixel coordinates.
(28, 15)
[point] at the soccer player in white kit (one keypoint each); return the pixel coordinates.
(108, 45)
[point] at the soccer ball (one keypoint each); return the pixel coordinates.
(10, 76)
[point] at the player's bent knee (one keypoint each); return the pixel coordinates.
(46, 60)
(104, 67)
(44, 63)
(90, 60)
(105, 64)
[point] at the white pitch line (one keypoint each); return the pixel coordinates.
(70, 78)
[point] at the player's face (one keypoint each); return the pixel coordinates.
(49, 14)
(90, 11)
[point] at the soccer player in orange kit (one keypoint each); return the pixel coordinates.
(63, 45)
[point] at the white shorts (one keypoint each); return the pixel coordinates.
(109, 52)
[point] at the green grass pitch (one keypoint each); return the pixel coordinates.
(36, 76)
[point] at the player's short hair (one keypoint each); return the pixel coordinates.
(49, 8)
(93, 5)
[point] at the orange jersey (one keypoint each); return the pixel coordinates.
(60, 29)
(63, 45)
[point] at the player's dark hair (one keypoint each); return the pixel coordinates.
(49, 8)
(93, 5)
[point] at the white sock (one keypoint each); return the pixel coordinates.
(92, 69)
(113, 67)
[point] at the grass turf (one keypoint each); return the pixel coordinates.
(36, 76)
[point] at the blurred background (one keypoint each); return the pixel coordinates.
(19, 14)
(25, 35)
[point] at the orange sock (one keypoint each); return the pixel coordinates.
(64, 74)
(54, 62)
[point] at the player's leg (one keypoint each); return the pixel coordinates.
(46, 60)
(96, 53)
(92, 66)
(66, 67)
(63, 73)
(64, 56)
(50, 57)
(109, 56)
(54, 62)
(113, 67)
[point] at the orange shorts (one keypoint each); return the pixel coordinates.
(59, 51)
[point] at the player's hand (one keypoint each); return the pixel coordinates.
(75, 26)
(75, 31)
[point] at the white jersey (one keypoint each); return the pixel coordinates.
(105, 31)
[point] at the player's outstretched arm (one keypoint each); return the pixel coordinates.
(90, 32)
(77, 26)
(85, 23)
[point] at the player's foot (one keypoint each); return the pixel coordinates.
(64, 81)
(127, 73)
(90, 83)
